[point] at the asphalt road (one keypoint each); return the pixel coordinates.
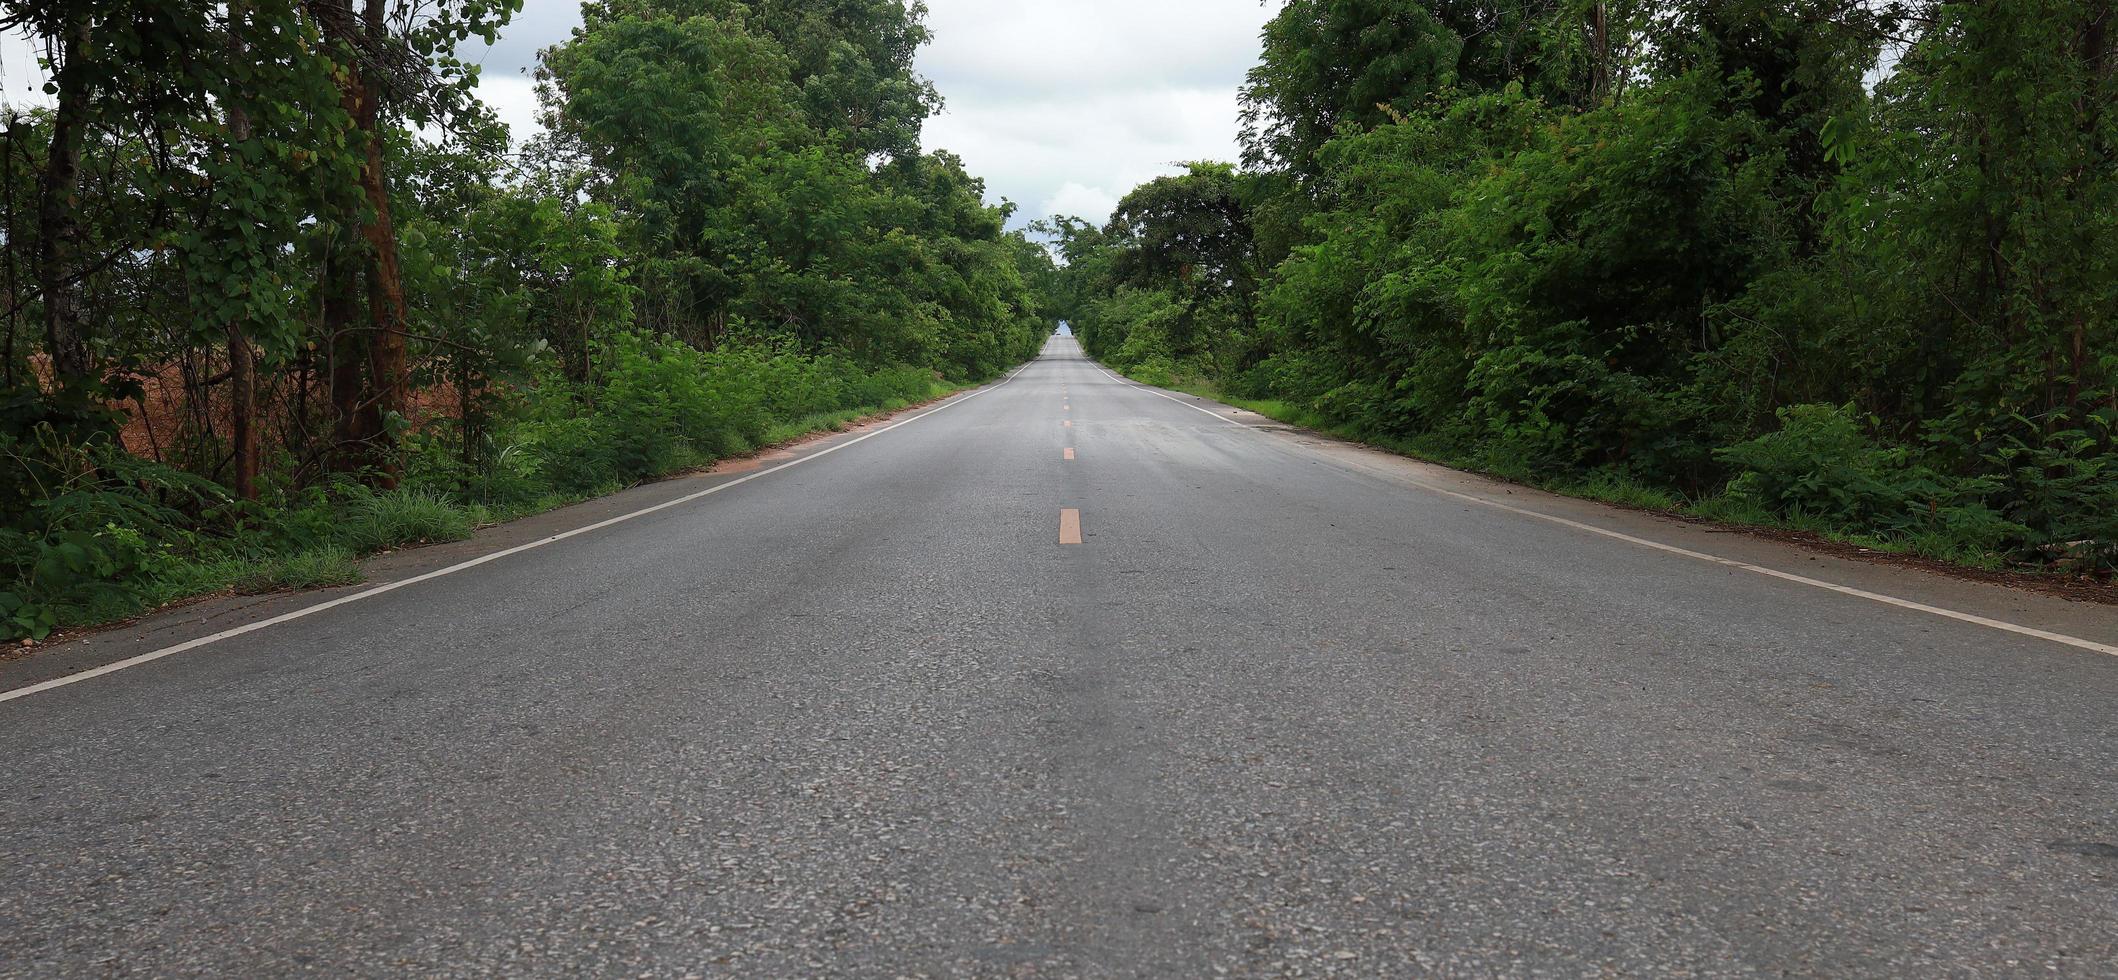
(1289, 708)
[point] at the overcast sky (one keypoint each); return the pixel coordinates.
(1061, 105)
(1064, 105)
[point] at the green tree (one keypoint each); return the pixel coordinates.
(1191, 234)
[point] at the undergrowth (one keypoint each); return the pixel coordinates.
(96, 535)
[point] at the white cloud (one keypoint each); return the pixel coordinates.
(1075, 199)
(1030, 149)
(504, 80)
(514, 99)
(1065, 105)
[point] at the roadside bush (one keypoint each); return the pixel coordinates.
(572, 455)
(377, 521)
(1362, 406)
(1295, 377)
(2062, 489)
(890, 386)
(1155, 369)
(101, 524)
(1823, 466)
(1821, 463)
(664, 406)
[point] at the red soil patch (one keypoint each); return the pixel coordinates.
(174, 407)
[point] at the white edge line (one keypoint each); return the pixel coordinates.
(1164, 394)
(1962, 617)
(288, 617)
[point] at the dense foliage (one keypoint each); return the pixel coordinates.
(1851, 266)
(279, 294)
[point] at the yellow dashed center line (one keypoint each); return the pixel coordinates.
(1069, 452)
(1069, 526)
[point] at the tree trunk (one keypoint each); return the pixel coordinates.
(2102, 86)
(387, 315)
(242, 411)
(357, 423)
(353, 429)
(242, 359)
(58, 224)
(367, 366)
(2096, 64)
(14, 284)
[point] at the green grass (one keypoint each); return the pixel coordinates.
(186, 579)
(786, 432)
(312, 568)
(324, 566)
(1729, 508)
(395, 518)
(1623, 490)
(487, 515)
(179, 579)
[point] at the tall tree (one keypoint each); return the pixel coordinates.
(1333, 63)
(1191, 232)
(854, 66)
(73, 78)
(391, 59)
(1328, 63)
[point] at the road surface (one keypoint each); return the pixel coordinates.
(1290, 707)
